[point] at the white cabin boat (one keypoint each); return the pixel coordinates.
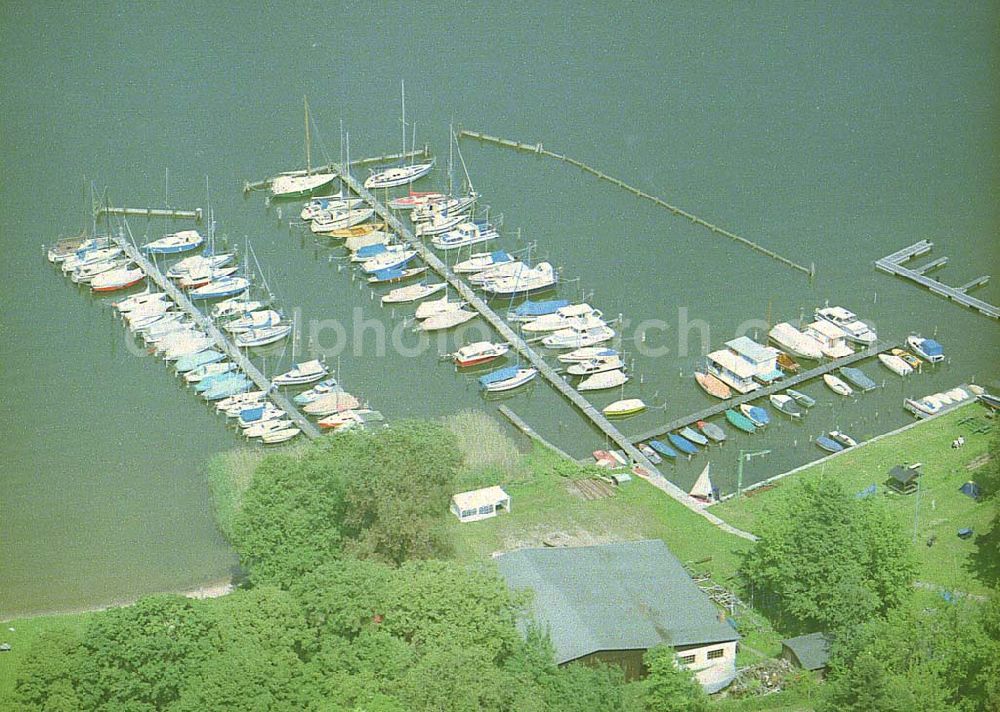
(480, 261)
(542, 276)
(855, 329)
(832, 339)
(573, 338)
(465, 234)
(795, 342)
(565, 317)
(305, 372)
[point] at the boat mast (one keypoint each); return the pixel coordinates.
(451, 161)
(402, 91)
(464, 168)
(305, 103)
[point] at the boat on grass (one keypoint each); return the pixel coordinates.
(836, 385)
(713, 431)
(621, 408)
(506, 379)
(787, 405)
(740, 421)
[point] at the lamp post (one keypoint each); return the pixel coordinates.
(745, 456)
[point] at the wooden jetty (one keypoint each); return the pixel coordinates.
(424, 152)
(539, 150)
(523, 426)
(170, 213)
(734, 402)
(221, 340)
(893, 264)
(643, 467)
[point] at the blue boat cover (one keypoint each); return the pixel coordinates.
(771, 377)
(759, 414)
(682, 444)
(371, 250)
(931, 347)
(384, 275)
(828, 444)
(499, 257)
(501, 374)
(530, 308)
(250, 414)
(662, 448)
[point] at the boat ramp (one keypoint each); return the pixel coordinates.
(893, 264)
(221, 340)
(764, 392)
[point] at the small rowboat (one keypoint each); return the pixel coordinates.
(837, 386)
(843, 438)
(694, 436)
(787, 405)
(911, 360)
(388, 276)
(895, 364)
(621, 408)
(828, 444)
(712, 385)
(663, 449)
(801, 398)
(650, 454)
(683, 444)
(757, 415)
(280, 436)
(740, 421)
(786, 363)
(713, 431)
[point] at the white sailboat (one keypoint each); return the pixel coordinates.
(300, 373)
(438, 306)
(447, 320)
(572, 315)
(412, 293)
(603, 380)
(399, 175)
(296, 184)
(703, 488)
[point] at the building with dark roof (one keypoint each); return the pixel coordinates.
(809, 652)
(611, 603)
(903, 479)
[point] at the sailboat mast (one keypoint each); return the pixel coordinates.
(305, 104)
(402, 91)
(451, 160)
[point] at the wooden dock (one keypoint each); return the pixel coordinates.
(424, 152)
(221, 340)
(595, 416)
(893, 264)
(539, 150)
(169, 213)
(734, 402)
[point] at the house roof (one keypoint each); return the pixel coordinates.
(731, 362)
(626, 596)
(748, 348)
(812, 651)
(474, 499)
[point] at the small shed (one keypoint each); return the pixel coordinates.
(809, 652)
(479, 504)
(903, 478)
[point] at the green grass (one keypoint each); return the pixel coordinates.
(26, 630)
(941, 510)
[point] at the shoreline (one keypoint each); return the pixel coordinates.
(212, 589)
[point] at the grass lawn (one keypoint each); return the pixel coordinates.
(20, 639)
(940, 510)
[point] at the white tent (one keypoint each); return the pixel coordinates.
(479, 504)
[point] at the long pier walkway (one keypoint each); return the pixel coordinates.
(548, 373)
(893, 264)
(735, 401)
(221, 340)
(538, 150)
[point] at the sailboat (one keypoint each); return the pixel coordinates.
(480, 261)
(506, 379)
(399, 175)
(174, 243)
(305, 372)
(298, 184)
(703, 488)
(602, 380)
(412, 293)
(438, 306)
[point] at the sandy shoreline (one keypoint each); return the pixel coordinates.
(212, 589)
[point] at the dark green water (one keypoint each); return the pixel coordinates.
(834, 136)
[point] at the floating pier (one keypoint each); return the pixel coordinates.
(424, 152)
(764, 392)
(170, 213)
(893, 264)
(595, 416)
(222, 341)
(539, 150)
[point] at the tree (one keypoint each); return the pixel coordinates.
(48, 676)
(830, 559)
(669, 687)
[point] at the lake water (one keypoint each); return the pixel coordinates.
(832, 135)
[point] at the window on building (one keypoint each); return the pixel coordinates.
(717, 653)
(486, 509)
(686, 659)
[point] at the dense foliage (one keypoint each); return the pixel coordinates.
(346, 609)
(829, 560)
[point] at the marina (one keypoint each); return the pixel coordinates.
(894, 264)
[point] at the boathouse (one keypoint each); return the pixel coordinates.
(479, 504)
(762, 359)
(732, 370)
(611, 603)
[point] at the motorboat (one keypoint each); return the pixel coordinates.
(787, 405)
(911, 360)
(481, 261)
(855, 329)
(506, 379)
(795, 342)
(895, 364)
(574, 338)
(327, 385)
(264, 336)
(562, 318)
(621, 408)
(603, 380)
(479, 352)
(836, 385)
(300, 373)
(595, 365)
(587, 353)
(930, 349)
(315, 207)
(465, 234)
(843, 438)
